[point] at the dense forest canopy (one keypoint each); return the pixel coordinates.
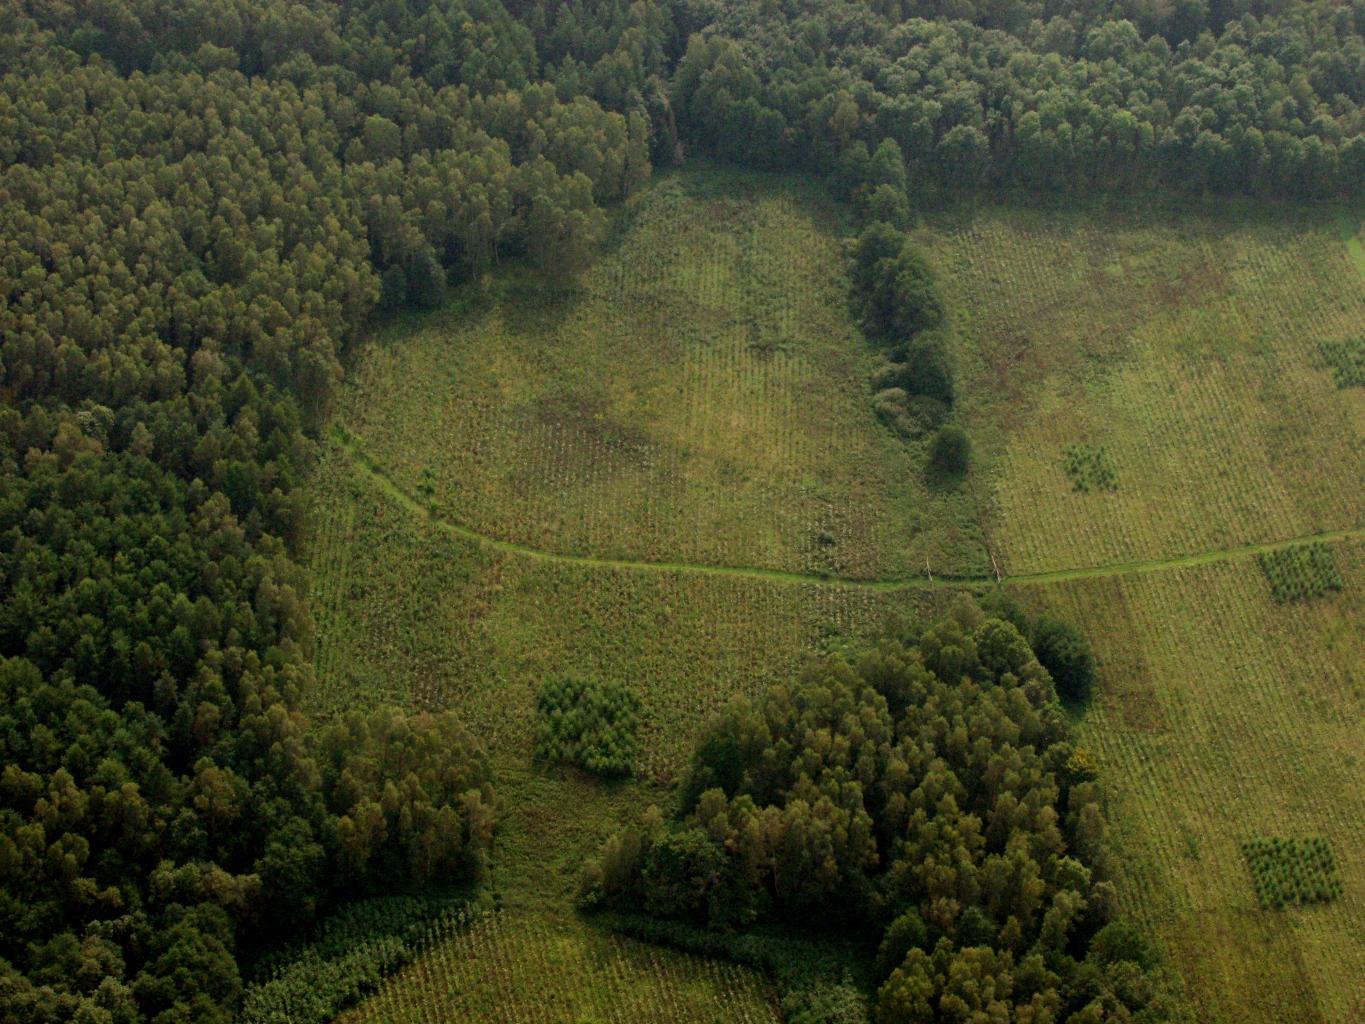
(1264, 99)
(203, 204)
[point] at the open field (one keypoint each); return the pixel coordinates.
(1225, 717)
(1151, 411)
(517, 969)
(703, 397)
(1180, 351)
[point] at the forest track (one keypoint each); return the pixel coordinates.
(373, 471)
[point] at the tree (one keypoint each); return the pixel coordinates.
(951, 450)
(921, 799)
(1066, 655)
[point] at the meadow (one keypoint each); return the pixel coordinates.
(413, 614)
(1146, 385)
(701, 397)
(539, 971)
(632, 481)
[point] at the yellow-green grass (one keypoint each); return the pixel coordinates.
(702, 396)
(1185, 344)
(1223, 716)
(514, 968)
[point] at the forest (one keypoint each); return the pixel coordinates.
(205, 206)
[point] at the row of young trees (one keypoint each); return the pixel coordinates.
(929, 797)
(201, 204)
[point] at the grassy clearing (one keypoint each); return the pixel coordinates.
(703, 397)
(536, 960)
(1184, 345)
(1223, 717)
(415, 615)
(517, 969)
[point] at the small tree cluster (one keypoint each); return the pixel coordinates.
(1089, 468)
(1346, 359)
(1292, 872)
(1301, 572)
(896, 296)
(592, 724)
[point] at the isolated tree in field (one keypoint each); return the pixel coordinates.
(951, 450)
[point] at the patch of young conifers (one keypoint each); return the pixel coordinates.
(589, 723)
(928, 798)
(1301, 572)
(895, 297)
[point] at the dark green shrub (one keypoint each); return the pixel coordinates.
(1066, 656)
(926, 370)
(951, 450)
(590, 724)
(1090, 468)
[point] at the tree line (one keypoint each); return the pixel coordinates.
(1194, 97)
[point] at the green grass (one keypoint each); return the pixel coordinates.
(515, 969)
(1184, 343)
(703, 397)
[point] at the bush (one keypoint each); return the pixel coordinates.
(590, 724)
(1090, 469)
(1066, 656)
(926, 370)
(1346, 359)
(1292, 872)
(951, 450)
